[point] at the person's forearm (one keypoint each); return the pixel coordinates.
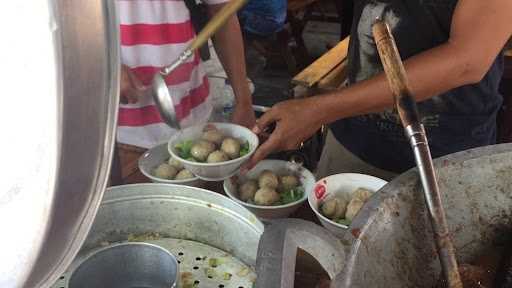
(430, 73)
(478, 32)
(229, 46)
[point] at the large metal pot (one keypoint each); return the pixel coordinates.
(60, 86)
(390, 242)
(192, 223)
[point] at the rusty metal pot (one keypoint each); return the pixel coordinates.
(389, 242)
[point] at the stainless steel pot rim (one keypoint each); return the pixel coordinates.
(185, 198)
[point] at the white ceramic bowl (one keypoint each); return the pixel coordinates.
(156, 156)
(340, 185)
(306, 178)
(214, 171)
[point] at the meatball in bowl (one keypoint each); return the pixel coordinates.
(160, 167)
(337, 199)
(215, 151)
(272, 189)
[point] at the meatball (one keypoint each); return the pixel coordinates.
(165, 171)
(362, 194)
(231, 147)
(266, 196)
(184, 175)
(175, 163)
(247, 190)
(268, 179)
(214, 136)
(353, 208)
(202, 149)
(334, 208)
(329, 208)
(289, 182)
(341, 208)
(217, 157)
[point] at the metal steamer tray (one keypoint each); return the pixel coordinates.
(214, 239)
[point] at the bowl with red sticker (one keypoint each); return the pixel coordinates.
(337, 199)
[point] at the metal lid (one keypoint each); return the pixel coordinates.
(60, 96)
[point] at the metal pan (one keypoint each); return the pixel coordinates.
(63, 85)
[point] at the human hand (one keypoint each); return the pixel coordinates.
(296, 121)
(244, 115)
(131, 88)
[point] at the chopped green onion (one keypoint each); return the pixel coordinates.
(244, 149)
(292, 195)
(214, 262)
(345, 222)
(210, 273)
(184, 149)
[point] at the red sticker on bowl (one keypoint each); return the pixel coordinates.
(320, 191)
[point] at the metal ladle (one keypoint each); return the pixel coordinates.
(408, 112)
(161, 94)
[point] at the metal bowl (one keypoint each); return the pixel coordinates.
(307, 180)
(214, 171)
(127, 265)
(156, 156)
(340, 185)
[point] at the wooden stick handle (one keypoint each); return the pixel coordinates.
(216, 22)
(408, 111)
(395, 73)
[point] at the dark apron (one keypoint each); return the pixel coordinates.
(460, 119)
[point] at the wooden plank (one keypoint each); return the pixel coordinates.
(335, 78)
(321, 67)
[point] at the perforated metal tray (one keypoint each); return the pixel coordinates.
(200, 266)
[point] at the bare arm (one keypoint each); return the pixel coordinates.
(479, 31)
(229, 46)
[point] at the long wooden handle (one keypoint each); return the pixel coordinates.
(408, 111)
(395, 73)
(216, 22)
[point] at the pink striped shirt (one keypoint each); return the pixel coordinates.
(153, 34)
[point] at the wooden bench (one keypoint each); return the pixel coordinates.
(328, 72)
